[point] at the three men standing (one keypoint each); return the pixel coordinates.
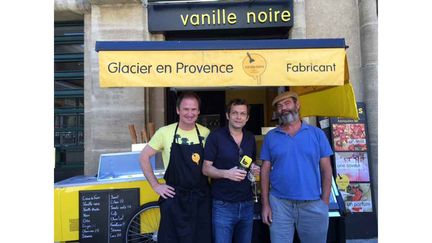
(295, 176)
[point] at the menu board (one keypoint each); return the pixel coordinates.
(349, 140)
(104, 213)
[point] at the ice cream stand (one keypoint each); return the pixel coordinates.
(91, 208)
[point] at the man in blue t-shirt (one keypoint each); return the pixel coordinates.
(231, 189)
(297, 170)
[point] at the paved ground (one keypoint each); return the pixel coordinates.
(350, 241)
(363, 241)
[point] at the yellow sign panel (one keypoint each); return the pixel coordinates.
(222, 68)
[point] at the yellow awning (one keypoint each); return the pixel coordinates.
(316, 69)
(222, 68)
(334, 102)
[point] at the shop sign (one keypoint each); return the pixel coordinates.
(202, 68)
(220, 16)
(316, 69)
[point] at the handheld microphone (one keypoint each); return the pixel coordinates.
(245, 162)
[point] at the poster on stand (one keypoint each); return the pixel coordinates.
(355, 165)
(358, 197)
(349, 137)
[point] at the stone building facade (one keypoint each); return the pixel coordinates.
(108, 111)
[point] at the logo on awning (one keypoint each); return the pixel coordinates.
(254, 65)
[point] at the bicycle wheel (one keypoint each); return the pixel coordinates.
(144, 224)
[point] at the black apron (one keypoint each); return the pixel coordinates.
(186, 218)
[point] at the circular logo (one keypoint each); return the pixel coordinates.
(342, 181)
(196, 158)
(254, 65)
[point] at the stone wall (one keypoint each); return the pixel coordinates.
(108, 111)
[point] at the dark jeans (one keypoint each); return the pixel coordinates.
(232, 221)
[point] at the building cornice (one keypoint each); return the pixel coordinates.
(75, 6)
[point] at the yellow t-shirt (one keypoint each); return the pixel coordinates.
(162, 139)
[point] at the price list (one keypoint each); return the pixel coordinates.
(104, 213)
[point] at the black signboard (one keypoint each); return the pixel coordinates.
(104, 213)
(351, 161)
(220, 15)
(350, 144)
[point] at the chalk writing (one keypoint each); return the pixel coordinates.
(104, 214)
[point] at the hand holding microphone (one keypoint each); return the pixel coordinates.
(235, 174)
(238, 173)
(252, 169)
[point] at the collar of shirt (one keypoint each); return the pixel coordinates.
(304, 126)
(227, 133)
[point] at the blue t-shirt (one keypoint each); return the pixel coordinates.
(295, 162)
(223, 151)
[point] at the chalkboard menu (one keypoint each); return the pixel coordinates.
(103, 214)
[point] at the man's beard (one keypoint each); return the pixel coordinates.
(288, 117)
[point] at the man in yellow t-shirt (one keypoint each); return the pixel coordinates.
(162, 139)
(185, 201)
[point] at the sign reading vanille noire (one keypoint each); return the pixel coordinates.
(219, 15)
